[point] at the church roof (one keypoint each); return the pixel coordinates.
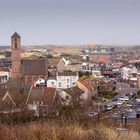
(34, 67)
(15, 35)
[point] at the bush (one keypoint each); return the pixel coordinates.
(17, 117)
(108, 94)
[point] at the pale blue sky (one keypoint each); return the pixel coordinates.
(71, 21)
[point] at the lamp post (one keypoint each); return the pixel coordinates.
(123, 118)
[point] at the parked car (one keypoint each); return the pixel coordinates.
(131, 95)
(110, 107)
(129, 104)
(123, 98)
(120, 102)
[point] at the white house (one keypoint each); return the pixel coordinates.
(51, 82)
(63, 80)
(129, 73)
(5, 72)
(66, 79)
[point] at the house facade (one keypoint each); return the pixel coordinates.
(66, 79)
(3, 81)
(5, 72)
(52, 82)
(63, 80)
(86, 87)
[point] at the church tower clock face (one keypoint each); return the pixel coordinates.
(16, 55)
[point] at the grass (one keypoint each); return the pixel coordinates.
(52, 130)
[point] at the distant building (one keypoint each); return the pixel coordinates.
(69, 65)
(129, 73)
(100, 58)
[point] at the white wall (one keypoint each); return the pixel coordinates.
(65, 82)
(127, 73)
(3, 73)
(40, 82)
(51, 83)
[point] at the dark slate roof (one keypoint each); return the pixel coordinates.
(33, 67)
(74, 91)
(45, 94)
(67, 73)
(15, 35)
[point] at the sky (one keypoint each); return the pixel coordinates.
(40, 22)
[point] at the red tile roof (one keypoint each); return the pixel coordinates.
(108, 72)
(44, 88)
(86, 84)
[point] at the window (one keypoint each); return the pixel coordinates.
(67, 80)
(73, 83)
(52, 83)
(59, 84)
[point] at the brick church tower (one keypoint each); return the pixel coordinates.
(16, 56)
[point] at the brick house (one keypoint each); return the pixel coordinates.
(86, 87)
